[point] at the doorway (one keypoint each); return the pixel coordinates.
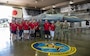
(5, 18)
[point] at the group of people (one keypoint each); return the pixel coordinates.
(29, 29)
(56, 30)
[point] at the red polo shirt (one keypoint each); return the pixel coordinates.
(52, 27)
(13, 26)
(20, 26)
(23, 22)
(26, 26)
(32, 25)
(46, 26)
(37, 25)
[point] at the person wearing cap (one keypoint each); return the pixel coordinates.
(52, 30)
(65, 30)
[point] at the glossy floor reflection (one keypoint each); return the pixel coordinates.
(23, 48)
(5, 46)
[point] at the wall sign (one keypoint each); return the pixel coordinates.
(17, 12)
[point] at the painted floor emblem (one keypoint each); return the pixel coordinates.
(54, 48)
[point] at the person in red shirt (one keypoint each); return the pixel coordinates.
(26, 29)
(20, 29)
(13, 29)
(32, 28)
(23, 21)
(37, 29)
(46, 29)
(52, 30)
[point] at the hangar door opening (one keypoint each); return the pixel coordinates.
(5, 18)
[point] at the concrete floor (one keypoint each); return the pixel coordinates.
(23, 48)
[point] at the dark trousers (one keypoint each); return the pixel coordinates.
(37, 32)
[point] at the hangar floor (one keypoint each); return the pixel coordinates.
(23, 48)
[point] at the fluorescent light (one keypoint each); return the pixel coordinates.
(43, 8)
(71, 2)
(53, 6)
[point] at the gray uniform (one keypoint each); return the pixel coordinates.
(41, 29)
(65, 30)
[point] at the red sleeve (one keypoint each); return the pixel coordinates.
(10, 24)
(44, 25)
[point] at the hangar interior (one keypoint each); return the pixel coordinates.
(76, 12)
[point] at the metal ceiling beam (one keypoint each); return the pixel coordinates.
(61, 4)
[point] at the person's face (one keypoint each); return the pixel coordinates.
(29, 20)
(40, 20)
(46, 20)
(52, 23)
(22, 20)
(58, 21)
(13, 20)
(33, 21)
(65, 21)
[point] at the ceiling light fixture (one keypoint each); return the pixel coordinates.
(43, 8)
(71, 2)
(53, 6)
(36, 1)
(35, 6)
